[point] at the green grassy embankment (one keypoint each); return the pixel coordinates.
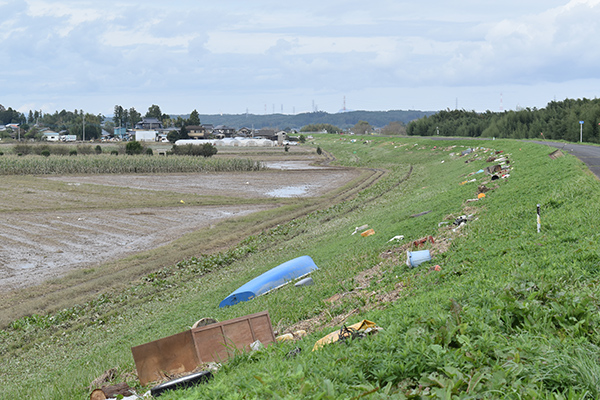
(512, 314)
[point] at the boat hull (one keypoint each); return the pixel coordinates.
(270, 280)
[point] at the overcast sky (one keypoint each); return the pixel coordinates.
(262, 56)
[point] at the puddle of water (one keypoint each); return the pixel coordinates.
(288, 191)
(290, 165)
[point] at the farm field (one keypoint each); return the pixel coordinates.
(54, 225)
(501, 310)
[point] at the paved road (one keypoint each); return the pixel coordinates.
(590, 155)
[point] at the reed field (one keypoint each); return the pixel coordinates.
(502, 311)
(123, 164)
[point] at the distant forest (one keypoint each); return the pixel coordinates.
(345, 120)
(559, 120)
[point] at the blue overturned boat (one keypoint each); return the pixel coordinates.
(271, 280)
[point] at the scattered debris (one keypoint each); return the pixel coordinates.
(368, 233)
(299, 334)
(360, 228)
(556, 154)
(360, 329)
(397, 237)
(421, 213)
(480, 195)
(493, 169)
(422, 241)
(415, 258)
(484, 189)
(182, 383)
(204, 322)
(460, 220)
(294, 352)
(110, 391)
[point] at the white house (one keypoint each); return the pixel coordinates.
(51, 136)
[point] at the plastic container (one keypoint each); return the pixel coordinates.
(414, 258)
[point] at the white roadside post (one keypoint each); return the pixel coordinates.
(539, 221)
(580, 131)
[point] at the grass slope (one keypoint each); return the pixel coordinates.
(512, 314)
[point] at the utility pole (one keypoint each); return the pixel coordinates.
(83, 128)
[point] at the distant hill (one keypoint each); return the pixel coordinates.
(377, 119)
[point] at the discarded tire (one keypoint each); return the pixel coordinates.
(181, 383)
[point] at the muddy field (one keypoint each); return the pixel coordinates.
(39, 245)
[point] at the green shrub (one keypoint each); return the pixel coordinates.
(134, 147)
(45, 153)
(149, 151)
(98, 149)
(319, 151)
(114, 152)
(204, 150)
(73, 152)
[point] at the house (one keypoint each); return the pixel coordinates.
(244, 132)
(197, 132)
(148, 124)
(222, 131)
(266, 134)
(51, 136)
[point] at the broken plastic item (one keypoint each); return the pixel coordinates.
(305, 282)
(481, 195)
(256, 345)
(415, 258)
(460, 220)
(365, 326)
(360, 228)
(181, 383)
(368, 233)
(397, 237)
(422, 241)
(285, 337)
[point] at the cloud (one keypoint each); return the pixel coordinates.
(103, 53)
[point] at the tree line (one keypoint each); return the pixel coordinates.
(559, 120)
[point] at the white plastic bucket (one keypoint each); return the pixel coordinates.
(414, 258)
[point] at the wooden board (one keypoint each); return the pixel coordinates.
(217, 342)
(167, 356)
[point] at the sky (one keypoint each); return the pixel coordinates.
(264, 57)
